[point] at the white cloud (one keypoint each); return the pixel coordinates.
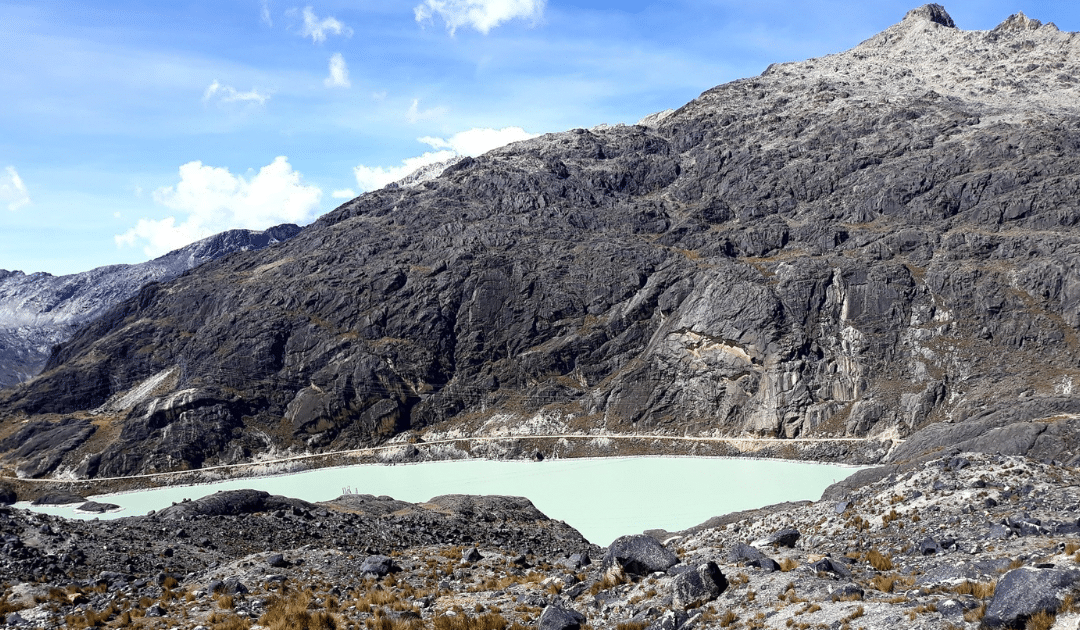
(12, 189)
(228, 94)
(211, 199)
(415, 114)
(471, 142)
(264, 13)
(345, 193)
(375, 177)
(478, 141)
(483, 15)
(339, 72)
(318, 29)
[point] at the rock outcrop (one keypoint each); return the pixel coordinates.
(879, 243)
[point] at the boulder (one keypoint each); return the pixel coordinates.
(827, 565)
(377, 565)
(1024, 592)
(639, 554)
(471, 555)
(7, 494)
(766, 564)
(784, 538)
(277, 561)
(557, 618)
(742, 552)
(702, 584)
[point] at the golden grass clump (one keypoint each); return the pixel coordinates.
(222, 621)
(461, 621)
(879, 561)
(888, 583)
(1041, 620)
(981, 590)
(292, 613)
(787, 564)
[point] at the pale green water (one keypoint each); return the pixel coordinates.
(602, 498)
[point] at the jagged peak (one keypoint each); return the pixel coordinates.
(933, 12)
(1019, 22)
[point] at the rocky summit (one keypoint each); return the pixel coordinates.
(878, 245)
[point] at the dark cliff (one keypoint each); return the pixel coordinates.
(864, 244)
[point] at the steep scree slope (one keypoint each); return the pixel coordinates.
(868, 243)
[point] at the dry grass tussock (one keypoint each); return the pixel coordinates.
(291, 613)
(879, 561)
(1040, 621)
(981, 590)
(888, 583)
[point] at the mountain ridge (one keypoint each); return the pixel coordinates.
(40, 310)
(865, 244)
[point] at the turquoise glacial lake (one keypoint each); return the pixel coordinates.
(603, 498)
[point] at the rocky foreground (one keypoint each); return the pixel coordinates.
(962, 541)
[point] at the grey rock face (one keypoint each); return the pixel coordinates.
(639, 554)
(880, 242)
(1024, 592)
(39, 310)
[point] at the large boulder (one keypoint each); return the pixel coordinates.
(639, 554)
(1025, 592)
(702, 584)
(377, 565)
(558, 618)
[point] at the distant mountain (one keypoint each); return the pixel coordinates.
(39, 310)
(881, 243)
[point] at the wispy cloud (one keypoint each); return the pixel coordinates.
(471, 142)
(13, 191)
(415, 114)
(344, 193)
(264, 13)
(339, 72)
(211, 199)
(318, 29)
(228, 94)
(483, 15)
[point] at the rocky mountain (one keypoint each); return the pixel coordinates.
(963, 541)
(39, 311)
(878, 244)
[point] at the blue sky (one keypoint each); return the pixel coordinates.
(129, 128)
